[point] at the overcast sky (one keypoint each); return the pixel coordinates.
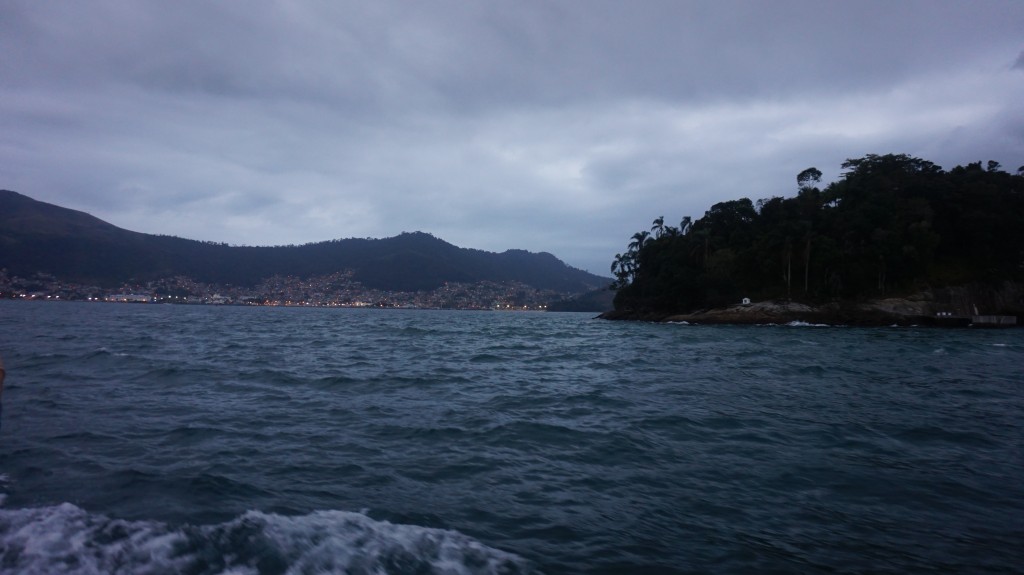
(558, 126)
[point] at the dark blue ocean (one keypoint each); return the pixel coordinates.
(207, 440)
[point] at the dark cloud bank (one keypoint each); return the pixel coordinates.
(554, 126)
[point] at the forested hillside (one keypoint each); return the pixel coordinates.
(891, 224)
(36, 237)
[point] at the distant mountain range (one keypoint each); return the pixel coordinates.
(37, 237)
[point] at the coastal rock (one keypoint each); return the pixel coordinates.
(900, 306)
(945, 307)
(784, 312)
(755, 313)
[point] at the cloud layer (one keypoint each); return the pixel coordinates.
(549, 126)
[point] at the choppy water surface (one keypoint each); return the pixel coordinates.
(153, 439)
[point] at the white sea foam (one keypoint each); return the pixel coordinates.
(806, 324)
(67, 539)
(796, 324)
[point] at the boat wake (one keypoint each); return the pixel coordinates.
(67, 539)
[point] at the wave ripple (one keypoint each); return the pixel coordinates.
(501, 443)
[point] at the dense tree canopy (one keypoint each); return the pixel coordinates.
(890, 224)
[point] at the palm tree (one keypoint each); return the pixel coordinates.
(639, 240)
(622, 269)
(659, 226)
(684, 226)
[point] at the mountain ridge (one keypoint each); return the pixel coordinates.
(39, 237)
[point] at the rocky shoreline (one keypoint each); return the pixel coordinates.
(951, 307)
(775, 312)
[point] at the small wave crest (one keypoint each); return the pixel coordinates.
(68, 539)
(806, 324)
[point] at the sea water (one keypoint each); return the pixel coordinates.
(202, 439)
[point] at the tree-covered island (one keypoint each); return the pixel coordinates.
(896, 239)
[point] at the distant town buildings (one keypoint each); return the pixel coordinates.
(335, 290)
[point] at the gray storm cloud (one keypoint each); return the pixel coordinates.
(549, 126)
